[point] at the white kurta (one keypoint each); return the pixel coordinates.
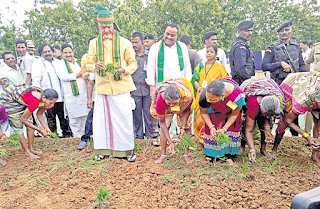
(113, 125)
(75, 106)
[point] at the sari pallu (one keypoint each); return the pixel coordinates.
(219, 114)
(200, 75)
(186, 98)
(14, 105)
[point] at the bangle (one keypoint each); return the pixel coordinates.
(305, 135)
(198, 88)
(211, 127)
(225, 130)
(42, 131)
(182, 127)
(170, 143)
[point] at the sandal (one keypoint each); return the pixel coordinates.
(187, 158)
(161, 159)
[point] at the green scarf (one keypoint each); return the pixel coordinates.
(161, 60)
(74, 86)
(116, 58)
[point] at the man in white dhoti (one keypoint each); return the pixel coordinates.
(74, 90)
(112, 117)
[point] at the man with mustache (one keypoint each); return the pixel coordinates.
(74, 90)
(241, 57)
(10, 73)
(44, 76)
(24, 61)
(141, 95)
(276, 62)
(113, 59)
(167, 59)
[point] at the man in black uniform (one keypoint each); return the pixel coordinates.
(284, 57)
(241, 57)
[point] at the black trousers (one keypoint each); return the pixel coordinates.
(88, 128)
(58, 110)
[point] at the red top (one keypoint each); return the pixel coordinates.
(161, 105)
(253, 107)
(31, 101)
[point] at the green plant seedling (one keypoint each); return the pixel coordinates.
(14, 138)
(102, 196)
(221, 138)
(54, 135)
(165, 179)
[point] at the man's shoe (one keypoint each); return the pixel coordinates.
(82, 145)
(99, 157)
(131, 158)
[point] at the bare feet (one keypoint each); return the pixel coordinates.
(187, 159)
(230, 162)
(315, 156)
(2, 162)
(161, 159)
(270, 156)
(241, 150)
(35, 152)
(32, 156)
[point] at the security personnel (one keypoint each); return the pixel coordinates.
(314, 57)
(275, 59)
(241, 57)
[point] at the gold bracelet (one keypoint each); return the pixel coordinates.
(305, 135)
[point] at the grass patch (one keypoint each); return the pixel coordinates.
(102, 196)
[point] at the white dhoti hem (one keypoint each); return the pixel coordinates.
(113, 125)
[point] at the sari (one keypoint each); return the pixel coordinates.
(204, 75)
(300, 91)
(219, 113)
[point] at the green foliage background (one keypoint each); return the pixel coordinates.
(59, 21)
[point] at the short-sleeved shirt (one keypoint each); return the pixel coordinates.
(253, 107)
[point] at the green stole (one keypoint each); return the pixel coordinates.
(161, 60)
(74, 86)
(116, 58)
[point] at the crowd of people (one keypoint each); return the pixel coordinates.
(124, 90)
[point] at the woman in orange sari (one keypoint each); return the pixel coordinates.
(203, 74)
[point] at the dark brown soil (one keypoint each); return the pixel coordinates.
(67, 178)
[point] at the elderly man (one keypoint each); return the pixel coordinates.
(168, 59)
(241, 57)
(209, 38)
(284, 57)
(44, 76)
(74, 90)
(112, 118)
(25, 61)
(148, 41)
(10, 73)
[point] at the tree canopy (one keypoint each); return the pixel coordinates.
(60, 21)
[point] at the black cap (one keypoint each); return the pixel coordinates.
(244, 25)
(148, 36)
(283, 25)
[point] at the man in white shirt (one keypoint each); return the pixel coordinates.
(209, 38)
(304, 46)
(74, 90)
(25, 60)
(44, 75)
(167, 59)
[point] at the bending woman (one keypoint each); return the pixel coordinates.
(173, 97)
(220, 105)
(302, 93)
(203, 74)
(20, 102)
(264, 99)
